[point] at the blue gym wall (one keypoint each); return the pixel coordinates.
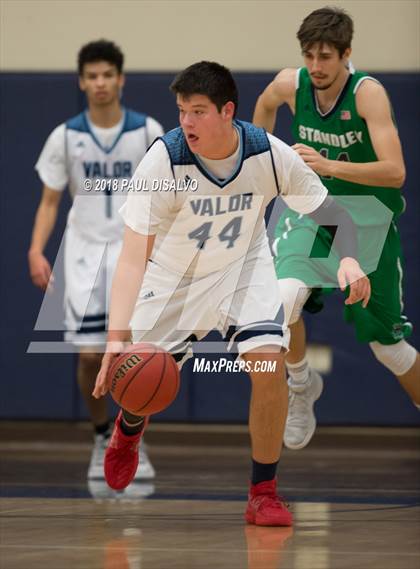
(358, 391)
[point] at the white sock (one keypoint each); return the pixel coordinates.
(298, 372)
(417, 405)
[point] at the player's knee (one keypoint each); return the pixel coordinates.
(263, 351)
(398, 358)
(293, 294)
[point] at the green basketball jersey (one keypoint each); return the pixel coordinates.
(341, 134)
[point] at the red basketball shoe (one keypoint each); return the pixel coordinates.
(122, 456)
(265, 508)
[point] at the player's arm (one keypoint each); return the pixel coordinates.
(128, 278)
(51, 168)
(281, 90)
(335, 219)
(143, 213)
(388, 171)
(45, 218)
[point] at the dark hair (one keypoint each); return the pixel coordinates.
(101, 50)
(207, 78)
(332, 26)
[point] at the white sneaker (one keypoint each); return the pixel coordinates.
(99, 490)
(136, 491)
(145, 470)
(301, 421)
(96, 465)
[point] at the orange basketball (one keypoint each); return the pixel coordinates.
(144, 379)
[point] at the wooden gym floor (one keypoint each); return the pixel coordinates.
(355, 494)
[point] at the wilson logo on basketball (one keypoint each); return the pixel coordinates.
(128, 364)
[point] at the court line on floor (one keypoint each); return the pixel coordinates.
(174, 450)
(58, 492)
(201, 550)
(22, 513)
(167, 489)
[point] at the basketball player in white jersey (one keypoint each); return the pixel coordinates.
(91, 154)
(195, 257)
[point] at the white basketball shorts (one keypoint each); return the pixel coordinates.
(88, 270)
(242, 303)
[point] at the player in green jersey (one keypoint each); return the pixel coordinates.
(344, 129)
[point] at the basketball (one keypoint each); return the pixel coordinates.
(144, 379)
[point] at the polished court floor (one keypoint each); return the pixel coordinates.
(355, 495)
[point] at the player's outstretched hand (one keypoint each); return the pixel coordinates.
(40, 271)
(351, 274)
(113, 349)
(319, 164)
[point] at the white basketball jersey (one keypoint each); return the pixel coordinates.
(95, 173)
(204, 224)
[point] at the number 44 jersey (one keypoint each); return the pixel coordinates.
(202, 223)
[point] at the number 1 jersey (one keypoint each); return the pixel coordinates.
(95, 163)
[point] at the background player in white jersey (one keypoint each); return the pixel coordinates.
(92, 151)
(344, 129)
(197, 258)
